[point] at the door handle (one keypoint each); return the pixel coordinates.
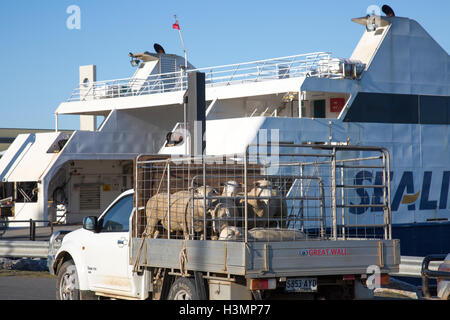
(122, 242)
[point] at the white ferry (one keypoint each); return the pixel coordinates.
(393, 91)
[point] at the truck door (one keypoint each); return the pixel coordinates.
(107, 252)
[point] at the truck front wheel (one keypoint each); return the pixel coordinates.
(183, 289)
(67, 285)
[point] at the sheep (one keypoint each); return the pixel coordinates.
(256, 208)
(231, 233)
(230, 188)
(277, 206)
(181, 206)
(261, 234)
(266, 208)
(225, 210)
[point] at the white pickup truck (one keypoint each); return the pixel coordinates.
(286, 230)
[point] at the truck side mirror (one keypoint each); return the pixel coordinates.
(90, 223)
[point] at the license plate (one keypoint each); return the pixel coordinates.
(301, 285)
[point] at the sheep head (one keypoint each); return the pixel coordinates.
(230, 188)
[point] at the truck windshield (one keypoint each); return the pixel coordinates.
(117, 218)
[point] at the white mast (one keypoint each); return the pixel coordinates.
(177, 26)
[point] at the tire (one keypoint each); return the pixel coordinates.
(67, 284)
(183, 289)
(3, 226)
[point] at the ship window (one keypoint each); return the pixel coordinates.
(434, 110)
(386, 108)
(399, 108)
(6, 190)
(27, 192)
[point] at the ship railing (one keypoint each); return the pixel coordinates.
(306, 65)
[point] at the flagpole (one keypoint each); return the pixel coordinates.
(177, 26)
(185, 55)
(182, 42)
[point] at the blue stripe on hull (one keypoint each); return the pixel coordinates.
(418, 239)
(422, 239)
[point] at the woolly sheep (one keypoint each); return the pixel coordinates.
(273, 208)
(225, 210)
(181, 207)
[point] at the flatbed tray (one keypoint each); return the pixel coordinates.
(270, 259)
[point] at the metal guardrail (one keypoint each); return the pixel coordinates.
(32, 249)
(318, 64)
(24, 249)
(6, 224)
(432, 274)
(411, 267)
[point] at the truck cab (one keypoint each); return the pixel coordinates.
(96, 257)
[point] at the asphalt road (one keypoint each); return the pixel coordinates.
(27, 286)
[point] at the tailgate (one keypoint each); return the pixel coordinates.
(308, 258)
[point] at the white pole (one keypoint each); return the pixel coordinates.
(182, 43)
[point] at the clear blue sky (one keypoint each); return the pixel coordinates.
(40, 56)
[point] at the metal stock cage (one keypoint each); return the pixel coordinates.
(272, 192)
